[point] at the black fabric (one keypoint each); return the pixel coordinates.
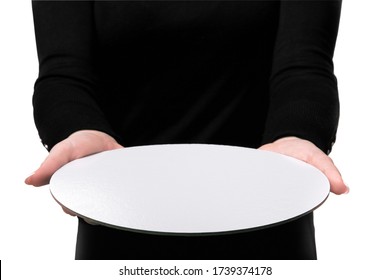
(239, 73)
(224, 72)
(290, 241)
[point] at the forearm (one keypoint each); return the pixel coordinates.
(303, 89)
(66, 92)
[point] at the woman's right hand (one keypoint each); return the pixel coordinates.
(79, 144)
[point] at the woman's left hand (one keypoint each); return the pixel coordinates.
(306, 151)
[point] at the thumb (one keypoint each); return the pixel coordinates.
(326, 165)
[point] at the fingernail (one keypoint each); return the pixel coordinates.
(28, 179)
(347, 191)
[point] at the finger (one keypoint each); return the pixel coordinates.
(73, 214)
(326, 165)
(91, 222)
(69, 212)
(57, 158)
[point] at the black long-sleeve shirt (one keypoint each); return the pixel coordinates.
(225, 72)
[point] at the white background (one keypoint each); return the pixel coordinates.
(352, 230)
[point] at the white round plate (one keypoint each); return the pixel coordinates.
(189, 189)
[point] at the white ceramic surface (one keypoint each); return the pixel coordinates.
(189, 188)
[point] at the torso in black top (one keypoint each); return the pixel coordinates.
(185, 72)
(225, 72)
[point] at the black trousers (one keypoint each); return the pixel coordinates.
(292, 240)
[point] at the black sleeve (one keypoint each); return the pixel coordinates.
(64, 93)
(303, 89)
